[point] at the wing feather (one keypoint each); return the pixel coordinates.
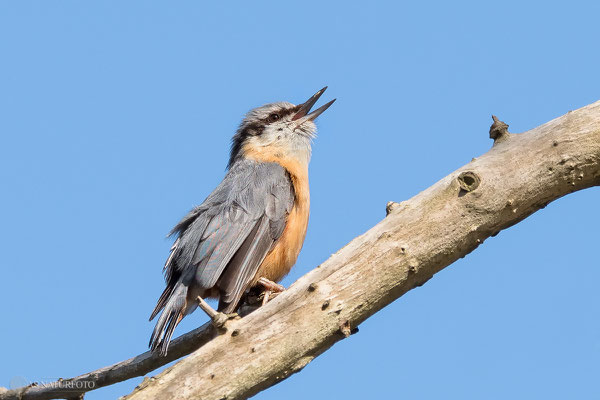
(223, 241)
(279, 201)
(244, 264)
(223, 245)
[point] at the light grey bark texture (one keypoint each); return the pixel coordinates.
(519, 175)
(419, 237)
(106, 376)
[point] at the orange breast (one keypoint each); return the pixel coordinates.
(283, 256)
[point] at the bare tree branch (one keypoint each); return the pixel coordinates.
(131, 368)
(419, 237)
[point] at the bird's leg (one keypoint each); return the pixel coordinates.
(270, 285)
(218, 318)
(266, 295)
(271, 289)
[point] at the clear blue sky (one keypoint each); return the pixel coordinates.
(116, 117)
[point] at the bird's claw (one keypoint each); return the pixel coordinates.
(219, 320)
(270, 285)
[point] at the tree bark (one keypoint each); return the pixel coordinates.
(136, 366)
(521, 174)
(419, 237)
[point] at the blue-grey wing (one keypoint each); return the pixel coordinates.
(223, 241)
(242, 268)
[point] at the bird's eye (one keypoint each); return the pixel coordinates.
(274, 117)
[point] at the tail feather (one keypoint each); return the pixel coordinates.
(162, 301)
(174, 309)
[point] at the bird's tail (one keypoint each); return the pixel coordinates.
(173, 302)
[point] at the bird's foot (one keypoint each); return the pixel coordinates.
(270, 285)
(263, 292)
(266, 295)
(218, 318)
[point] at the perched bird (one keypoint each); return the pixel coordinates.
(250, 229)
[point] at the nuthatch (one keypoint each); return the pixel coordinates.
(250, 229)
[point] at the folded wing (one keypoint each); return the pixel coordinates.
(221, 243)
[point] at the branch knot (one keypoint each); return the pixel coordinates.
(468, 181)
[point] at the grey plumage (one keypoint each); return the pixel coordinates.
(223, 241)
(224, 246)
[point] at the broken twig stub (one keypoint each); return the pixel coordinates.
(498, 130)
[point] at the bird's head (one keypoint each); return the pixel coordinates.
(275, 130)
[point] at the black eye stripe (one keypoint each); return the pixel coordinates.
(256, 128)
(282, 113)
(253, 129)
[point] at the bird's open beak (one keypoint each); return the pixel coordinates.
(302, 115)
